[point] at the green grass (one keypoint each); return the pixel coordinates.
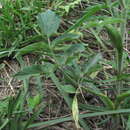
(83, 53)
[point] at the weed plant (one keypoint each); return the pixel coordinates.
(79, 67)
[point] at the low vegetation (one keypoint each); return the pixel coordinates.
(80, 49)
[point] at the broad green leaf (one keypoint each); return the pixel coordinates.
(75, 112)
(68, 88)
(34, 70)
(30, 71)
(92, 62)
(81, 116)
(116, 40)
(69, 53)
(37, 100)
(33, 102)
(65, 37)
(90, 12)
(49, 22)
(40, 46)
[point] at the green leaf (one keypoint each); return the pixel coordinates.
(116, 40)
(90, 11)
(68, 88)
(33, 102)
(34, 70)
(106, 21)
(92, 108)
(49, 22)
(4, 52)
(81, 116)
(75, 48)
(123, 77)
(92, 62)
(65, 37)
(40, 46)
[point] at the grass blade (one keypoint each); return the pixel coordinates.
(81, 116)
(116, 40)
(121, 97)
(91, 11)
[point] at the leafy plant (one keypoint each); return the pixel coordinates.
(76, 73)
(76, 66)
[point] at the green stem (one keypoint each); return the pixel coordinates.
(52, 53)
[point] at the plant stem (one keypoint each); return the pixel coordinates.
(52, 52)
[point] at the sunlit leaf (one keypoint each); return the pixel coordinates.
(34, 101)
(49, 22)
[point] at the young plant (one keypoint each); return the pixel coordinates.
(66, 60)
